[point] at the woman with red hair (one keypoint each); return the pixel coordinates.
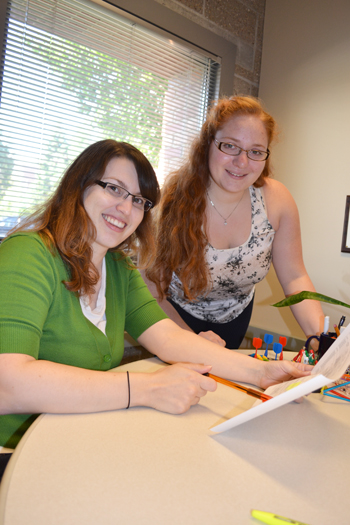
(222, 221)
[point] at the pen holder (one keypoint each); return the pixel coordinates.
(325, 341)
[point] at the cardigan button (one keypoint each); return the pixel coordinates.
(107, 358)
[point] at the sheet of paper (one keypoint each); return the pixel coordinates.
(337, 358)
(334, 363)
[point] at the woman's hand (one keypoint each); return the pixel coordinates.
(213, 337)
(176, 388)
(274, 372)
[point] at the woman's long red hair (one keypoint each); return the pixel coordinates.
(181, 224)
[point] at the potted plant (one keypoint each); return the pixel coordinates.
(298, 297)
(301, 296)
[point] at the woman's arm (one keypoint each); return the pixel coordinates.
(172, 344)
(33, 382)
(287, 255)
(31, 386)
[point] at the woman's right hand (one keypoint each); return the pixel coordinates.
(174, 389)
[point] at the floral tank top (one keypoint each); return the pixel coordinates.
(233, 272)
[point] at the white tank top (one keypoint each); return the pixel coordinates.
(233, 272)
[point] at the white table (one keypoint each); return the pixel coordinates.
(140, 466)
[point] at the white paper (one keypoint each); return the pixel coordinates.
(337, 358)
(330, 367)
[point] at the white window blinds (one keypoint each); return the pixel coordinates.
(76, 72)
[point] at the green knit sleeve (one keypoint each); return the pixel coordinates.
(27, 282)
(142, 309)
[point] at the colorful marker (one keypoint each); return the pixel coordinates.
(273, 519)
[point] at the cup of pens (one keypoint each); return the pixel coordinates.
(325, 340)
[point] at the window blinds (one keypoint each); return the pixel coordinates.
(76, 72)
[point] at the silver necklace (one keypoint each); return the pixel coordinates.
(215, 208)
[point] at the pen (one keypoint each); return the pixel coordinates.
(341, 322)
(326, 324)
(247, 390)
(273, 519)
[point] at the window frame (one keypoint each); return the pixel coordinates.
(165, 21)
(151, 14)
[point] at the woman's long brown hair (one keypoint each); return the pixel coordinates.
(65, 226)
(181, 224)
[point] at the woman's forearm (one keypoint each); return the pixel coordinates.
(30, 386)
(310, 317)
(171, 344)
(308, 314)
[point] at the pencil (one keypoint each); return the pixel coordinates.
(247, 390)
(337, 331)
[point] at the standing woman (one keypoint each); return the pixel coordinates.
(222, 221)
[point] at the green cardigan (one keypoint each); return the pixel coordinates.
(41, 318)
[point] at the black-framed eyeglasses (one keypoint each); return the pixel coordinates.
(233, 150)
(121, 193)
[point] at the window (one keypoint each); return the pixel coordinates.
(76, 72)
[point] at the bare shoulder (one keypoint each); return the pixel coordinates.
(275, 189)
(279, 202)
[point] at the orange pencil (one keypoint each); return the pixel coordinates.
(247, 390)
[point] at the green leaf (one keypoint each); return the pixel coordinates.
(297, 298)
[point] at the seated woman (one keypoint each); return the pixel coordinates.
(222, 221)
(68, 292)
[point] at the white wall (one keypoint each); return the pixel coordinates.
(305, 84)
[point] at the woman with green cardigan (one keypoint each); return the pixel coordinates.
(69, 290)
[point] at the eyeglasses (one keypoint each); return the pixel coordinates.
(233, 150)
(121, 193)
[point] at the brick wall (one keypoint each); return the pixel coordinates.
(238, 21)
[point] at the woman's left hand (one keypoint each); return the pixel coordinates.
(213, 337)
(274, 372)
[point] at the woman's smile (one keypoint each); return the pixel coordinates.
(235, 174)
(114, 222)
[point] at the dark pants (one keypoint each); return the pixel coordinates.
(4, 459)
(232, 332)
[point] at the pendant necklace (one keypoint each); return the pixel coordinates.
(215, 208)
